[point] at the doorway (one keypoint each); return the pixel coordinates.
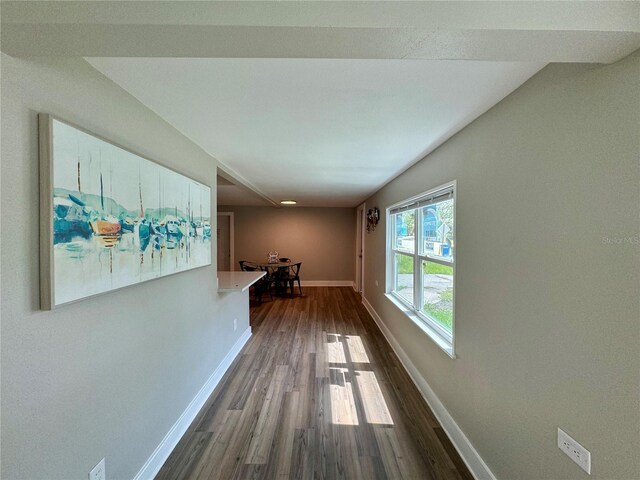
(225, 241)
(360, 249)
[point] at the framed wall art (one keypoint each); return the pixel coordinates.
(110, 218)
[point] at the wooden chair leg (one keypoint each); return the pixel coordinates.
(299, 287)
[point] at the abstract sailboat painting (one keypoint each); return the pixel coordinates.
(111, 218)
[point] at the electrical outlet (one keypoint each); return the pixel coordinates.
(376, 283)
(574, 451)
(235, 324)
(98, 472)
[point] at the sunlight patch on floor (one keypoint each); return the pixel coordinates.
(356, 349)
(343, 381)
(375, 408)
(343, 405)
(335, 350)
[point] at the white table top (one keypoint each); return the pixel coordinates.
(237, 281)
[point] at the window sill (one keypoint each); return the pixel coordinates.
(446, 346)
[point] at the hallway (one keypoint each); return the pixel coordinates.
(317, 392)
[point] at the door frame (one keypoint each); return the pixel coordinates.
(360, 235)
(232, 260)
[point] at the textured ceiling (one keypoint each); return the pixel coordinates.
(324, 132)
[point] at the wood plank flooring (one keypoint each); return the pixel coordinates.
(317, 393)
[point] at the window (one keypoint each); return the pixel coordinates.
(421, 261)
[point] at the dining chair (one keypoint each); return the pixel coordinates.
(267, 281)
(261, 286)
(281, 276)
(292, 276)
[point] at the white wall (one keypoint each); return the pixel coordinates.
(110, 375)
(548, 274)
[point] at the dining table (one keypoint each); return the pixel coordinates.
(275, 265)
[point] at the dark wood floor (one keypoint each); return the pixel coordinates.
(317, 392)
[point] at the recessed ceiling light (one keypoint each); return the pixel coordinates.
(288, 202)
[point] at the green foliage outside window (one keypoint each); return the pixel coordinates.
(443, 315)
(405, 265)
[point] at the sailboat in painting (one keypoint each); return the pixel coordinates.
(106, 227)
(171, 225)
(141, 228)
(70, 215)
(70, 219)
(142, 234)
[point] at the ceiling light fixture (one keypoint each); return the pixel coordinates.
(288, 202)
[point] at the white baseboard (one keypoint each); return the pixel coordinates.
(468, 453)
(171, 439)
(328, 283)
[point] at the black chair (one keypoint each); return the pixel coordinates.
(292, 275)
(267, 281)
(281, 275)
(262, 285)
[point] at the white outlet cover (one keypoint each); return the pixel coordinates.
(574, 451)
(98, 472)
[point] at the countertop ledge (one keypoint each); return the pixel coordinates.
(237, 281)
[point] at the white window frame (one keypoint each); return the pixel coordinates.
(442, 337)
